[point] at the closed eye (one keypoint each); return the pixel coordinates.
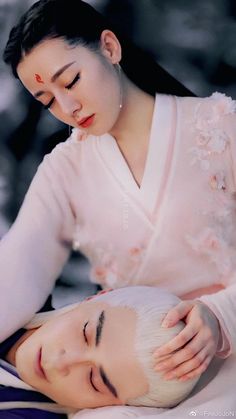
(49, 104)
(84, 332)
(91, 381)
(77, 77)
(68, 87)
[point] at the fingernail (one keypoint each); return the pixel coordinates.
(159, 353)
(183, 378)
(165, 323)
(169, 376)
(160, 367)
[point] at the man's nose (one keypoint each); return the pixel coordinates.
(64, 360)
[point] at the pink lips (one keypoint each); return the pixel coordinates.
(38, 367)
(86, 122)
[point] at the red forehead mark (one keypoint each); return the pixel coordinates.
(38, 78)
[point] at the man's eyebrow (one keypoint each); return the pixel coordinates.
(99, 328)
(104, 377)
(55, 77)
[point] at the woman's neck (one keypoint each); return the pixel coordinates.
(132, 130)
(135, 118)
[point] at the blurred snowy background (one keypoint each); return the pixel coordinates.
(194, 40)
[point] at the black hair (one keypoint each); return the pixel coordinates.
(78, 23)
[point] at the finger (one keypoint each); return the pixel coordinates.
(177, 342)
(183, 355)
(199, 370)
(177, 313)
(189, 366)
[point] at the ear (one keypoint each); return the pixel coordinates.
(110, 46)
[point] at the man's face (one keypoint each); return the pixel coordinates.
(85, 357)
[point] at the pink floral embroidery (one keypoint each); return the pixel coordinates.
(224, 104)
(218, 141)
(104, 270)
(217, 181)
(200, 157)
(104, 275)
(111, 279)
(205, 240)
(208, 243)
(136, 253)
(99, 274)
(210, 139)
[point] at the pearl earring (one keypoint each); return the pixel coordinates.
(119, 69)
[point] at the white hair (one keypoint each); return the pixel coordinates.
(150, 305)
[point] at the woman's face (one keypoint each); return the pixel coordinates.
(85, 357)
(75, 82)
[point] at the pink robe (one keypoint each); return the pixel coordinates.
(177, 230)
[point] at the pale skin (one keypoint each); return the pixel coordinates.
(200, 336)
(99, 90)
(75, 359)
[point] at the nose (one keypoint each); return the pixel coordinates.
(68, 104)
(64, 360)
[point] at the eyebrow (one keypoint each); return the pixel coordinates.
(99, 327)
(104, 377)
(54, 77)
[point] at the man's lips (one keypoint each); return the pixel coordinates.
(85, 122)
(38, 366)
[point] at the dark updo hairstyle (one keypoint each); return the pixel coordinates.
(78, 23)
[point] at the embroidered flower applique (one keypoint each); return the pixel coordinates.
(209, 243)
(210, 139)
(224, 104)
(136, 253)
(108, 268)
(110, 273)
(217, 181)
(101, 275)
(105, 274)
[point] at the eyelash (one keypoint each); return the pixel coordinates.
(84, 332)
(77, 77)
(68, 87)
(91, 381)
(91, 371)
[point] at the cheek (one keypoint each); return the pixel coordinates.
(100, 85)
(25, 359)
(74, 392)
(58, 114)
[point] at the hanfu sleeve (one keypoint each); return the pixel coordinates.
(35, 249)
(223, 303)
(118, 412)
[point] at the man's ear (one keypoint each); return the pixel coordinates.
(110, 46)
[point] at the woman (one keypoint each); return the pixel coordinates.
(128, 195)
(96, 353)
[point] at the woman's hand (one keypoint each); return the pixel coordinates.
(191, 351)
